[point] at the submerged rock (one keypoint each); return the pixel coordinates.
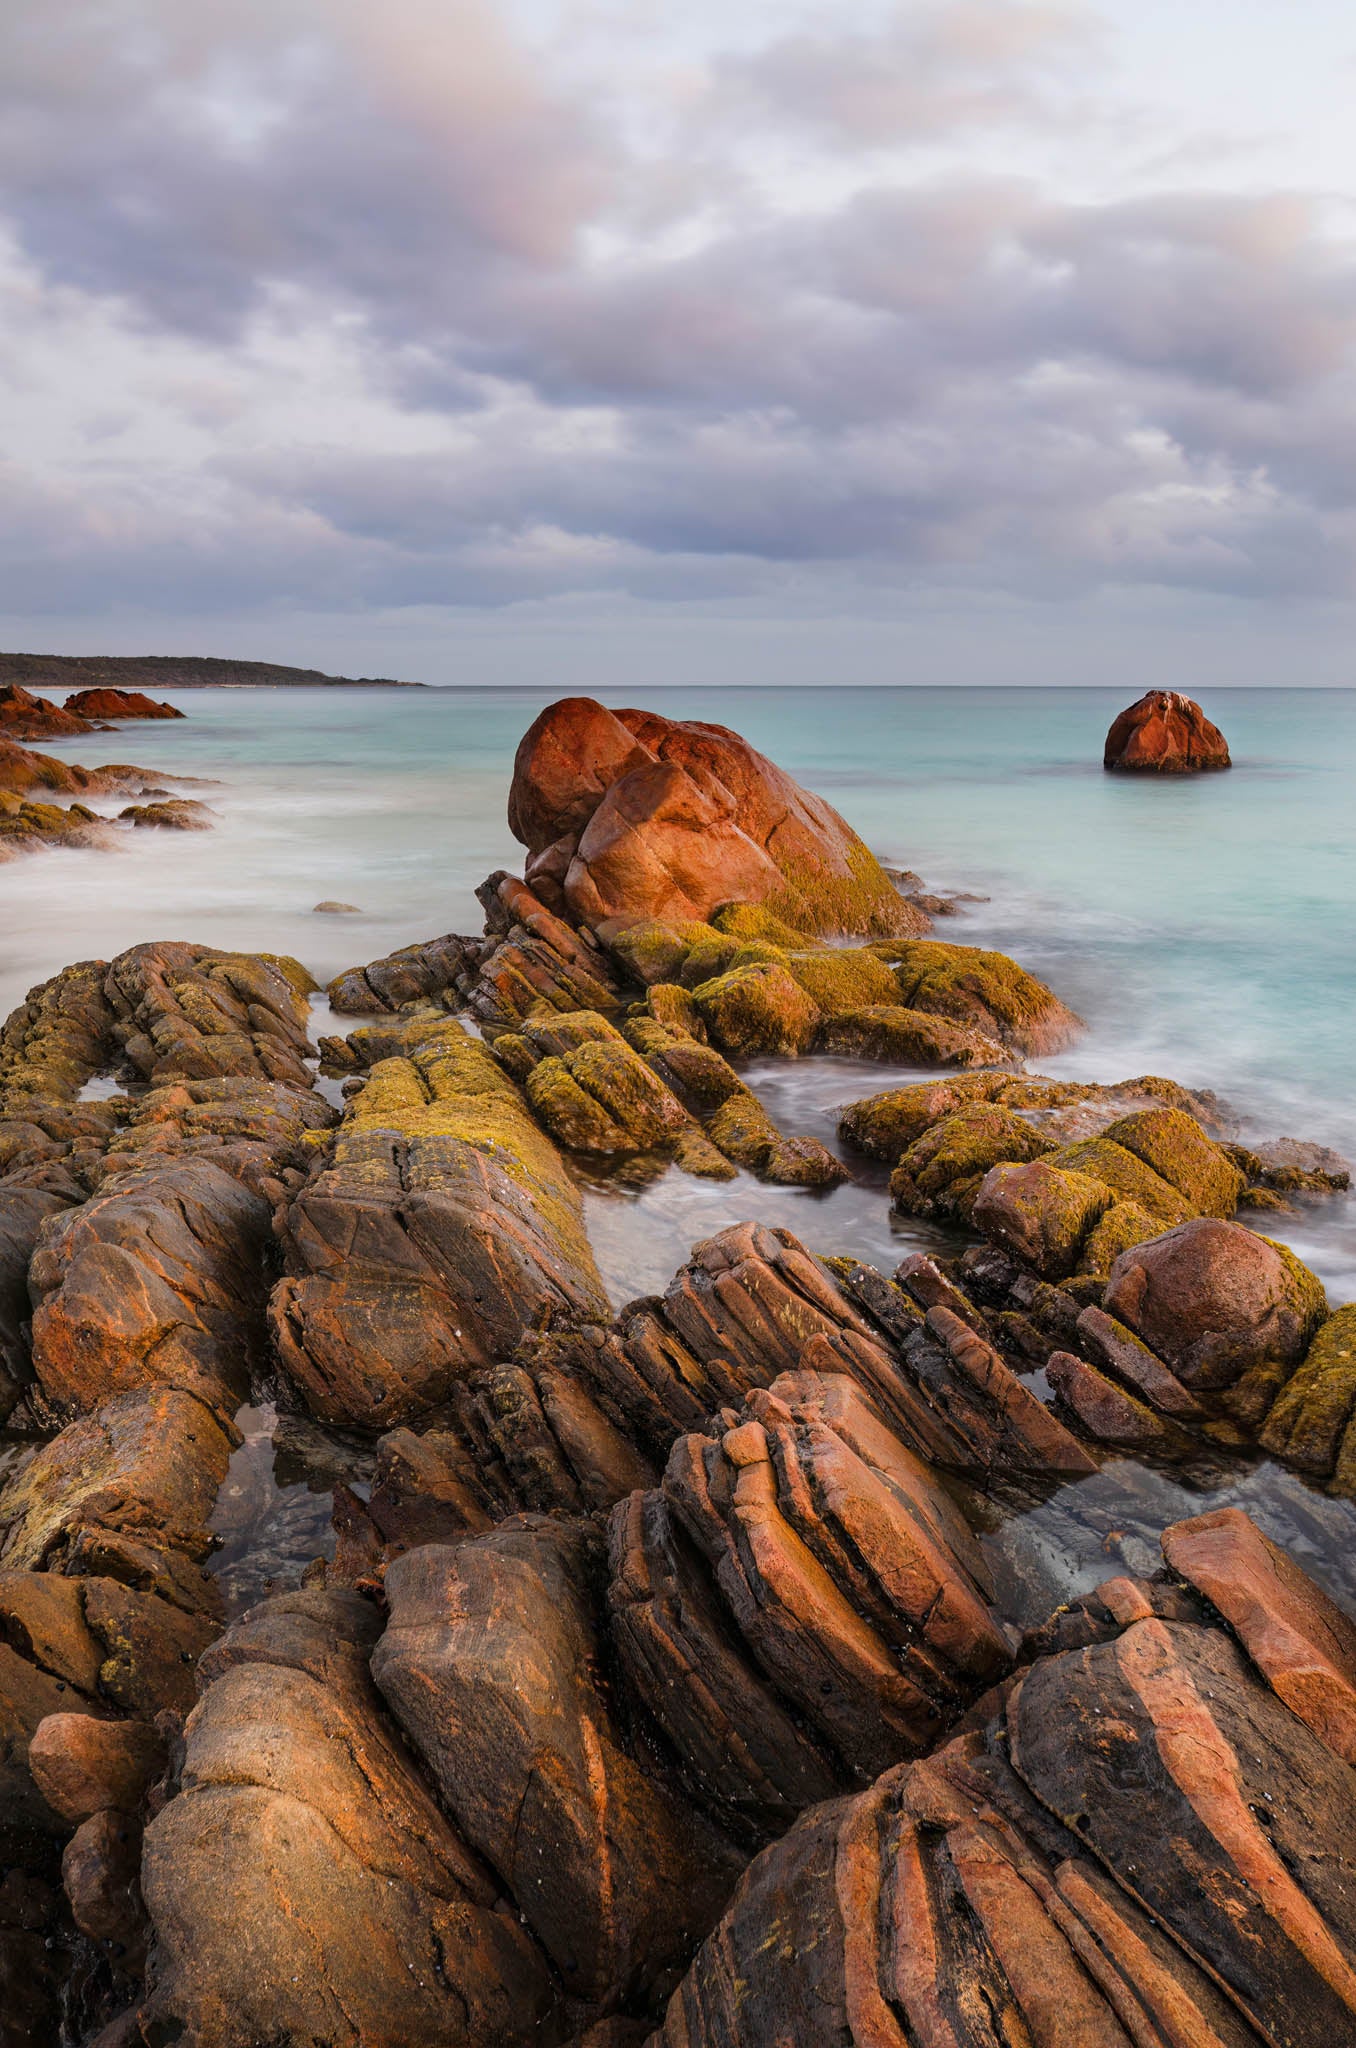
(175, 814)
(627, 815)
(1164, 733)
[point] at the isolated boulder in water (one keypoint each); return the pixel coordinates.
(108, 703)
(1164, 733)
(627, 815)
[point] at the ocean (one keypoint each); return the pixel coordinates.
(1203, 929)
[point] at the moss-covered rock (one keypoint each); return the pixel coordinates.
(941, 1172)
(757, 1010)
(652, 951)
(984, 990)
(1310, 1423)
(841, 979)
(908, 1038)
(1040, 1214)
(742, 1129)
(1178, 1150)
(1124, 1224)
(1128, 1178)
(671, 1005)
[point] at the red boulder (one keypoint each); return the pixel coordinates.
(107, 703)
(627, 815)
(1165, 733)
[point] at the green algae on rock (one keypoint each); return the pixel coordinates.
(440, 1226)
(985, 990)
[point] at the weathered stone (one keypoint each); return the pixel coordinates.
(302, 1885)
(82, 1765)
(1299, 1639)
(627, 815)
(441, 1228)
(1310, 1423)
(108, 702)
(155, 1281)
(1040, 1214)
(1214, 1301)
(488, 1662)
(985, 991)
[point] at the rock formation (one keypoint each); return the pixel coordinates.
(441, 1227)
(24, 716)
(1164, 733)
(113, 703)
(628, 815)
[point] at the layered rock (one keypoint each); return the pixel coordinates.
(629, 815)
(411, 974)
(1164, 733)
(847, 1572)
(440, 1227)
(1142, 1844)
(301, 1883)
(490, 1662)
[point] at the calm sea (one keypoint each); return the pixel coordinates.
(1204, 928)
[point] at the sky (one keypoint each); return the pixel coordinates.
(538, 341)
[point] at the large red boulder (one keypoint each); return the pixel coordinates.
(1165, 733)
(627, 815)
(108, 703)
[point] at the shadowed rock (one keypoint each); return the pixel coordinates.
(489, 1662)
(301, 1884)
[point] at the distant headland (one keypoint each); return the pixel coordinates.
(174, 672)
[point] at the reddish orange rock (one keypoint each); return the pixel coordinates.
(1300, 1640)
(24, 716)
(1164, 733)
(627, 815)
(118, 704)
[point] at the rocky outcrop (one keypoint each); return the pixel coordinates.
(983, 991)
(627, 815)
(24, 716)
(106, 702)
(848, 1574)
(190, 1012)
(1141, 1843)
(1311, 1424)
(490, 1662)
(174, 814)
(657, 1092)
(302, 1885)
(884, 1126)
(440, 1227)
(1220, 1305)
(1164, 733)
(412, 974)
(156, 1280)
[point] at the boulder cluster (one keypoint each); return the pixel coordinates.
(43, 798)
(657, 1684)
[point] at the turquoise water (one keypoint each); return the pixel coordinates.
(1203, 928)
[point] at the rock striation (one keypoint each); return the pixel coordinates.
(1164, 733)
(1043, 1876)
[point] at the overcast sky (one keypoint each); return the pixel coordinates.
(540, 340)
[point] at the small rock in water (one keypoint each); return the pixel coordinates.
(331, 909)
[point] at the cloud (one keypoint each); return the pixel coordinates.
(320, 304)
